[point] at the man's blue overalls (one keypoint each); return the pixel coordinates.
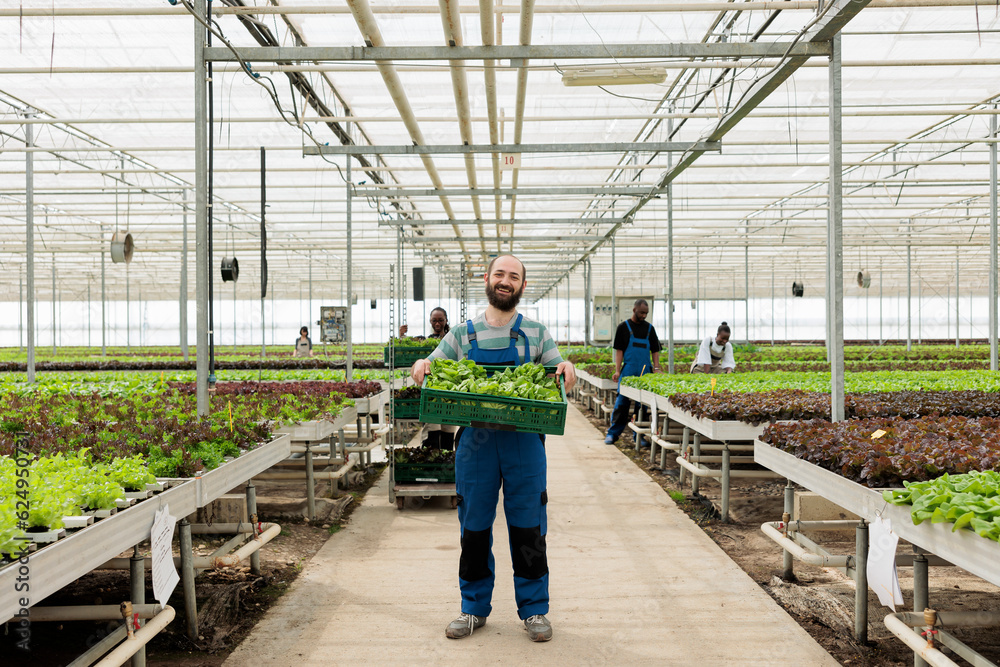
(486, 459)
(637, 357)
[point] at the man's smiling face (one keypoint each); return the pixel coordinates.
(505, 283)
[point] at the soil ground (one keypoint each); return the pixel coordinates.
(820, 599)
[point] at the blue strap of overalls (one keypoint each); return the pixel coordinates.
(633, 342)
(515, 331)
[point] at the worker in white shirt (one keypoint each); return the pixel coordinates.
(715, 354)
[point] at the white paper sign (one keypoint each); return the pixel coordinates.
(164, 573)
(510, 161)
(882, 563)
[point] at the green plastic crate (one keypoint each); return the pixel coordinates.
(406, 408)
(438, 406)
(406, 356)
(438, 473)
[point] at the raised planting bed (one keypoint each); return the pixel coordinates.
(477, 401)
(886, 451)
(794, 404)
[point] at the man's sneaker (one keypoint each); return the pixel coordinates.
(609, 440)
(464, 625)
(538, 627)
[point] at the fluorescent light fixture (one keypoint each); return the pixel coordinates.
(618, 76)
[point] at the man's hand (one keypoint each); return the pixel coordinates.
(568, 371)
(421, 368)
(402, 330)
(727, 370)
(615, 376)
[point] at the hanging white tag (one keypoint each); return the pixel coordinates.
(164, 573)
(882, 577)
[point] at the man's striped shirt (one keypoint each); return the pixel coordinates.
(456, 345)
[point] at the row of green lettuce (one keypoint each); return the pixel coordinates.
(876, 381)
(149, 427)
(39, 494)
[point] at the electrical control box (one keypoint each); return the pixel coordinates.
(605, 321)
(333, 324)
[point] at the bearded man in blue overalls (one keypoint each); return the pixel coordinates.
(487, 459)
(637, 351)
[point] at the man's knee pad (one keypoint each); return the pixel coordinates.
(474, 562)
(528, 552)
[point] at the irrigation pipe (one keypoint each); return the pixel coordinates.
(97, 612)
(269, 532)
(702, 471)
(902, 625)
(772, 530)
(130, 646)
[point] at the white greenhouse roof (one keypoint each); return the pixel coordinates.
(108, 88)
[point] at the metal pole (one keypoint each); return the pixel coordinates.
(725, 483)
(880, 305)
(20, 309)
(252, 516)
(993, 244)
(350, 278)
(670, 257)
(310, 482)
(187, 557)
(787, 561)
(137, 577)
(263, 254)
(909, 298)
(104, 301)
(309, 311)
(920, 592)
(957, 301)
(772, 304)
(184, 276)
(697, 292)
(836, 246)
(128, 312)
(202, 260)
(29, 215)
(55, 331)
(89, 310)
(861, 583)
(746, 283)
(588, 300)
(920, 311)
(614, 291)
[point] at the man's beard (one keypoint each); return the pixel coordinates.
(501, 302)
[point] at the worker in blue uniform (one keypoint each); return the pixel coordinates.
(488, 459)
(637, 351)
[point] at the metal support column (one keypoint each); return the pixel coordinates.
(187, 570)
(746, 292)
(772, 303)
(787, 571)
(183, 328)
(670, 256)
(137, 577)
(350, 277)
(587, 301)
(614, 290)
(920, 592)
(861, 583)
(909, 297)
(252, 516)
(263, 251)
(201, 211)
(724, 481)
(957, 301)
(55, 330)
(835, 247)
(993, 242)
(29, 215)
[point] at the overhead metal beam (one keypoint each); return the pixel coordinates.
(516, 239)
(517, 52)
(616, 147)
(834, 17)
(524, 221)
(503, 192)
